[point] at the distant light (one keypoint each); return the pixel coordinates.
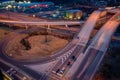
(71, 16)
(79, 17)
(46, 5)
(31, 6)
(6, 7)
(18, 7)
(54, 15)
(29, 2)
(14, 6)
(34, 16)
(43, 5)
(24, 1)
(20, 2)
(9, 6)
(35, 5)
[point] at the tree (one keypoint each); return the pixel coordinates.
(25, 43)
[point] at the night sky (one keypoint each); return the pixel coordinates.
(75, 1)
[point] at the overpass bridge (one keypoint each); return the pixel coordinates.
(115, 10)
(66, 23)
(86, 58)
(75, 48)
(78, 44)
(96, 50)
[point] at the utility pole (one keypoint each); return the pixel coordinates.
(46, 35)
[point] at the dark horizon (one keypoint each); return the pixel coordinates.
(88, 2)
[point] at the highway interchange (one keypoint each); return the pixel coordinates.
(81, 40)
(76, 61)
(97, 49)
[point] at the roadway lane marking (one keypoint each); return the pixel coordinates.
(90, 55)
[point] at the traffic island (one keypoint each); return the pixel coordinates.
(39, 48)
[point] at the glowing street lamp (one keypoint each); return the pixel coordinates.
(29, 2)
(34, 15)
(79, 17)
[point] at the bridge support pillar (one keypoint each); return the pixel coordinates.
(26, 27)
(9, 25)
(66, 25)
(48, 27)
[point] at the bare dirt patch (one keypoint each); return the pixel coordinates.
(39, 48)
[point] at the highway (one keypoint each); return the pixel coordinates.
(20, 64)
(88, 27)
(12, 72)
(71, 58)
(43, 22)
(96, 50)
(66, 49)
(65, 67)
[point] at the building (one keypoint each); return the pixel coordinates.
(73, 14)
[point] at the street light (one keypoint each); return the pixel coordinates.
(46, 35)
(33, 15)
(46, 31)
(7, 8)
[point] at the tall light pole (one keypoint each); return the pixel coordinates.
(7, 8)
(46, 35)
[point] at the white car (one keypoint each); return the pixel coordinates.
(63, 70)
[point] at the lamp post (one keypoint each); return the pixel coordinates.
(7, 12)
(46, 30)
(46, 35)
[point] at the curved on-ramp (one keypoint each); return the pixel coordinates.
(99, 46)
(88, 27)
(83, 37)
(101, 42)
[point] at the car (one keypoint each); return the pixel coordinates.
(59, 74)
(63, 70)
(58, 70)
(74, 58)
(69, 63)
